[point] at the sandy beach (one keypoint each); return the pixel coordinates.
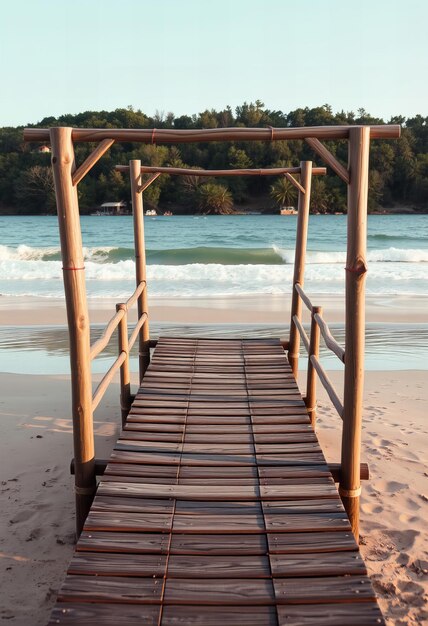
(37, 516)
(257, 309)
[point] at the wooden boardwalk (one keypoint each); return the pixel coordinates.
(217, 506)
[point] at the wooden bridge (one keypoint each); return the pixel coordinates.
(217, 506)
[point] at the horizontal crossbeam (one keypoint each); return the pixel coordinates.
(167, 135)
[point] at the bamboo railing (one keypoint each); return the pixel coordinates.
(311, 343)
(125, 345)
(67, 176)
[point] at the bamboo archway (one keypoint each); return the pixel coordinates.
(67, 176)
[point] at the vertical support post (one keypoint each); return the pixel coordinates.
(125, 378)
(350, 485)
(311, 381)
(299, 261)
(140, 264)
(63, 165)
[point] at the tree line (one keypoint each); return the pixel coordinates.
(398, 168)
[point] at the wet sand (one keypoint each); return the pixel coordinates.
(269, 309)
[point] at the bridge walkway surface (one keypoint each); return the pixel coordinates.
(217, 506)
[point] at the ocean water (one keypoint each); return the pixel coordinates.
(213, 255)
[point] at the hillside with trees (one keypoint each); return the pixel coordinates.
(398, 168)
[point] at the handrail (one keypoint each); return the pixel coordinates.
(303, 296)
(138, 326)
(330, 341)
(106, 380)
(302, 332)
(327, 385)
(102, 342)
(139, 290)
(99, 345)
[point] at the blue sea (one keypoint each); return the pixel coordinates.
(214, 256)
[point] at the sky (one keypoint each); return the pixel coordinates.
(186, 56)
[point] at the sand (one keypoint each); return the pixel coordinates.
(269, 309)
(36, 516)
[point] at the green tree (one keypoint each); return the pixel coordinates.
(214, 198)
(36, 190)
(283, 192)
(319, 199)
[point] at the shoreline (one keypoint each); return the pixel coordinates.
(257, 309)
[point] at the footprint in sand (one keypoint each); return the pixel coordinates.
(22, 516)
(408, 519)
(403, 539)
(370, 507)
(391, 486)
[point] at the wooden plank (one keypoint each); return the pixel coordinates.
(323, 590)
(351, 614)
(128, 522)
(209, 592)
(219, 524)
(143, 470)
(300, 543)
(124, 543)
(200, 507)
(183, 492)
(220, 472)
(167, 458)
(220, 544)
(90, 614)
(238, 566)
(307, 522)
(302, 507)
(312, 458)
(277, 439)
(132, 505)
(297, 492)
(294, 471)
(317, 564)
(110, 589)
(197, 492)
(96, 564)
(206, 616)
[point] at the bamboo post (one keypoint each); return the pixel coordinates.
(299, 261)
(311, 381)
(78, 320)
(350, 486)
(140, 264)
(125, 379)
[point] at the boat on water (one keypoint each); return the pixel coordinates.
(288, 210)
(168, 214)
(151, 212)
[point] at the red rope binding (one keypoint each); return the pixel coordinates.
(271, 132)
(72, 269)
(153, 135)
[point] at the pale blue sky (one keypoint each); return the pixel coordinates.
(188, 55)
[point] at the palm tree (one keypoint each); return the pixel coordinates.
(319, 196)
(283, 192)
(214, 198)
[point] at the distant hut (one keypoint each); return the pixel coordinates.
(43, 149)
(113, 208)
